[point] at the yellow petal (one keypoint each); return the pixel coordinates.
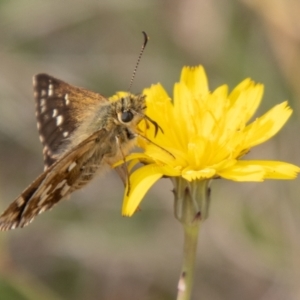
(256, 170)
(248, 96)
(243, 173)
(196, 80)
(276, 169)
(267, 125)
(141, 180)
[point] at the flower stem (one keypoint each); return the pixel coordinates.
(186, 279)
(190, 208)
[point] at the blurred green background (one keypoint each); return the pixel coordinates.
(84, 249)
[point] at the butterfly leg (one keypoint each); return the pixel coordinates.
(126, 180)
(121, 171)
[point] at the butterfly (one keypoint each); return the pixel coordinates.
(81, 132)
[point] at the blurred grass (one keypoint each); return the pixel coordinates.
(83, 249)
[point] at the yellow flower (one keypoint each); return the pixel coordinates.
(204, 136)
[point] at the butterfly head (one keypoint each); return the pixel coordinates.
(130, 110)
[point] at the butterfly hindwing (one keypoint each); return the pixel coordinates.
(60, 109)
(58, 181)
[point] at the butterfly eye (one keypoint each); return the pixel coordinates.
(126, 116)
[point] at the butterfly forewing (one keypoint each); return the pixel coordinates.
(60, 109)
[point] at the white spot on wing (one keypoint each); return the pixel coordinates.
(43, 93)
(59, 120)
(55, 112)
(43, 105)
(46, 190)
(45, 150)
(63, 186)
(50, 90)
(72, 166)
(64, 190)
(20, 201)
(42, 209)
(65, 133)
(42, 199)
(67, 101)
(60, 185)
(44, 194)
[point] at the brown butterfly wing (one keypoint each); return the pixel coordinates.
(60, 109)
(55, 183)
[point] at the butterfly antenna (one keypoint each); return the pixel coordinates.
(146, 38)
